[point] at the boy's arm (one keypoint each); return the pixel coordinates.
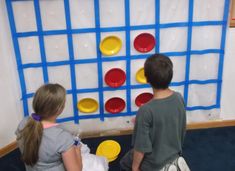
(137, 159)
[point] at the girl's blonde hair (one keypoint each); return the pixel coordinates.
(48, 101)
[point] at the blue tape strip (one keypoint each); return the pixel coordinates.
(99, 62)
(65, 119)
(202, 107)
(18, 56)
(114, 29)
(210, 81)
(108, 115)
(222, 46)
(137, 86)
(41, 41)
(118, 58)
(157, 25)
(187, 67)
(128, 56)
(71, 57)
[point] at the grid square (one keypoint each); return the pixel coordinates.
(117, 93)
(206, 37)
(86, 76)
(110, 14)
(33, 79)
(29, 49)
(52, 14)
(173, 39)
(122, 36)
(178, 62)
(135, 93)
(209, 10)
(179, 89)
(84, 46)
(24, 15)
(135, 66)
(106, 66)
(137, 10)
(61, 75)
(204, 67)
(134, 34)
(173, 11)
(196, 95)
(68, 110)
(82, 16)
(56, 48)
(94, 96)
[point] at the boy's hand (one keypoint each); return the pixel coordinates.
(137, 159)
(136, 169)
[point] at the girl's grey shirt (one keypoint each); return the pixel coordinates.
(55, 141)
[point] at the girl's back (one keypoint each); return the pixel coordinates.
(54, 141)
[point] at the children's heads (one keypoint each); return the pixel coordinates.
(158, 71)
(49, 100)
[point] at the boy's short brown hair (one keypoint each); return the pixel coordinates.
(158, 70)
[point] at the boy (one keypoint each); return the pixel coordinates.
(160, 124)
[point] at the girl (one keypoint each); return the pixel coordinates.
(43, 143)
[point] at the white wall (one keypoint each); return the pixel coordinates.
(11, 107)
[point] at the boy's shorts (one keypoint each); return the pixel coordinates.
(179, 164)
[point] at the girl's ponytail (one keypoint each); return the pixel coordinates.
(31, 136)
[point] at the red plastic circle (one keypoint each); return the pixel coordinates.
(115, 105)
(115, 77)
(144, 42)
(143, 98)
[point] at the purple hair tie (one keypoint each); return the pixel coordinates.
(36, 117)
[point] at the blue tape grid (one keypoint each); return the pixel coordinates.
(41, 41)
(99, 60)
(187, 67)
(128, 56)
(99, 57)
(157, 25)
(71, 59)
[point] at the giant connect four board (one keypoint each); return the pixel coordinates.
(96, 49)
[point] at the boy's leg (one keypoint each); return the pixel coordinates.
(126, 161)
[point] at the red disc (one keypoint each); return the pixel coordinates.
(144, 42)
(143, 98)
(115, 105)
(115, 77)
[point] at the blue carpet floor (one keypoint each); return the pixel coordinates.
(204, 150)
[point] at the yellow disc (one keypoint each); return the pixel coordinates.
(109, 149)
(140, 77)
(110, 45)
(87, 105)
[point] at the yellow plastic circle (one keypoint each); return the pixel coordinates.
(140, 77)
(110, 45)
(87, 105)
(109, 149)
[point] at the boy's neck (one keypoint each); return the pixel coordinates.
(162, 93)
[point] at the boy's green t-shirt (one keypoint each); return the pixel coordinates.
(159, 131)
